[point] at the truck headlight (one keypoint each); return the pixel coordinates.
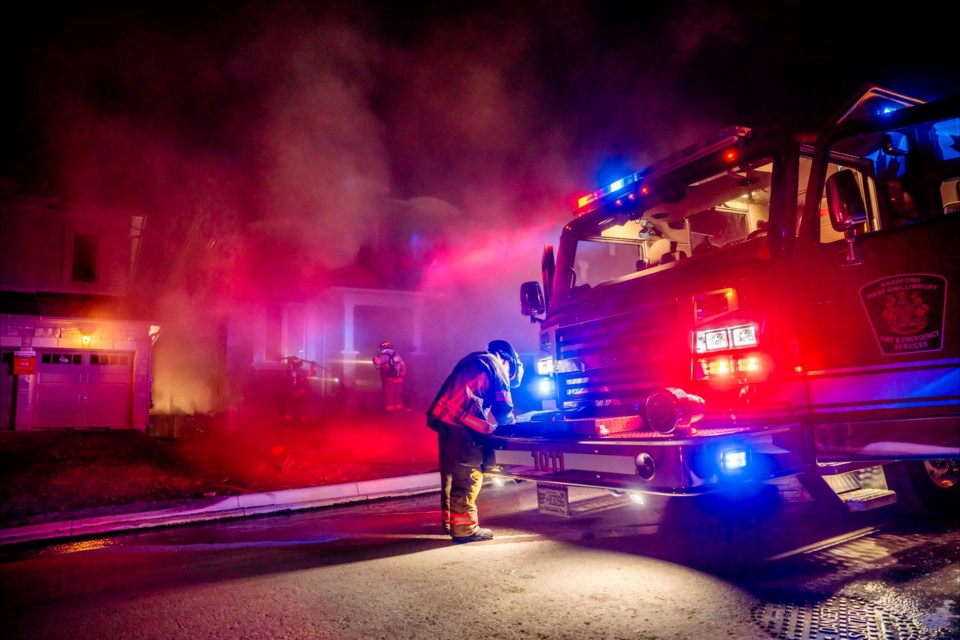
(545, 366)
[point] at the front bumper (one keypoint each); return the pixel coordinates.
(709, 460)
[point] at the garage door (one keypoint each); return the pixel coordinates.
(83, 389)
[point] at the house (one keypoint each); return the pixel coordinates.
(337, 325)
(338, 329)
(84, 291)
(75, 349)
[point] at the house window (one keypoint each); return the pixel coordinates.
(61, 358)
(84, 258)
(108, 359)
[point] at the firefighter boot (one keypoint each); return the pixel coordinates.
(479, 536)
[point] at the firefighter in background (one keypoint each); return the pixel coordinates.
(299, 389)
(472, 402)
(392, 371)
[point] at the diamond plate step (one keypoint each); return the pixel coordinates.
(865, 499)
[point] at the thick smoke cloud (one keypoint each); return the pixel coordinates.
(271, 144)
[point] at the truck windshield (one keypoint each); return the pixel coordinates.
(705, 216)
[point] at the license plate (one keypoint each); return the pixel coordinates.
(553, 499)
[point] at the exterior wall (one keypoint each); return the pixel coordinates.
(59, 259)
(39, 243)
(49, 335)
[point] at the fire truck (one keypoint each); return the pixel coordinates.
(755, 307)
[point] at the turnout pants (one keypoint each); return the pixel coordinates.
(461, 477)
(393, 393)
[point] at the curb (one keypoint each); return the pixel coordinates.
(239, 506)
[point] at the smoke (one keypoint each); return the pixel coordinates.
(273, 146)
(323, 163)
(290, 125)
(266, 145)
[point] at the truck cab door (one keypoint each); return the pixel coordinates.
(877, 290)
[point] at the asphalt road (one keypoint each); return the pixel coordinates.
(775, 565)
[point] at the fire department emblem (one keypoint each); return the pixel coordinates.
(906, 312)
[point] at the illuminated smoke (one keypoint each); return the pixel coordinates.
(271, 144)
(270, 165)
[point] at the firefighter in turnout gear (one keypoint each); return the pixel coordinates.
(472, 402)
(392, 371)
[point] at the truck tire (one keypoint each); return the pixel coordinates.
(925, 487)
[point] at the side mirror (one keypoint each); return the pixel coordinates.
(531, 300)
(845, 202)
(847, 211)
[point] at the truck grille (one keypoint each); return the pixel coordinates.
(613, 363)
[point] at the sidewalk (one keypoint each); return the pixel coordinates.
(62, 484)
(238, 506)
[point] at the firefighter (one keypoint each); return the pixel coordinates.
(472, 402)
(296, 406)
(392, 371)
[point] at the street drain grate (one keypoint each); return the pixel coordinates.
(835, 618)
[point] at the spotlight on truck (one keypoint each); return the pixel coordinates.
(671, 409)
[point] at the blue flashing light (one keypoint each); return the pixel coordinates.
(607, 190)
(545, 387)
(733, 459)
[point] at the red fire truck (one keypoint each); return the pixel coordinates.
(759, 306)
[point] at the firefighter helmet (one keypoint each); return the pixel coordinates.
(385, 345)
(506, 351)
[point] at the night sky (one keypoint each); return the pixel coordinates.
(429, 98)
(279, 128)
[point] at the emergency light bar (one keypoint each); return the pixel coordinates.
(607, 190)
(724, 142)
(878, 101)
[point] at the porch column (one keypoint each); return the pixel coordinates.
(349, 353)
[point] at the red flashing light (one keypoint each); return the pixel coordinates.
(630, 197)
(727, 366)
(645, 190)
(730, 155)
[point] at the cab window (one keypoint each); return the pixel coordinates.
(906, 176)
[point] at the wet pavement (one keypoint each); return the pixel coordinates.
(776, 567)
